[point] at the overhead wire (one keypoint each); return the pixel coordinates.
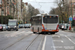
(41, 2)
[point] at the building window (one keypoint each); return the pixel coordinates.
(2, 11)
(13, 0)
(74, 3)
(7, 1)
(74, 6)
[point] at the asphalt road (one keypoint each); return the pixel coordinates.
(24, 39)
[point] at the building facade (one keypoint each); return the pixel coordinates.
(72, 7)
(19, 8)
(11, 7)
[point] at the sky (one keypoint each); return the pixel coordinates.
(44, 6)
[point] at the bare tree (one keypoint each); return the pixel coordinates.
(62, 10)
(31, 11)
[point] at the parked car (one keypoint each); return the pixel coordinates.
(27, 25)
(64, 26)
(1, 27)
(60, 25)
(12, 24)
(4, 27)
(21, 25)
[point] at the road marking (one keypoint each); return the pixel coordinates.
(56, 36)
(29, 32)
(59, 36)
(15, 34)
(69, 39)
(62, 41)
(58, 41)
(43, 48)
(53, 45)
(23, 32)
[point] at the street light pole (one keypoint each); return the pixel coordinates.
(1, 14)
(71, 7)
(16, 10)
(71, 13)
(1, 11)
(63, 11)
(13, 10)
(10, 7)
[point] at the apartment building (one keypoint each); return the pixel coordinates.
(19, 13)
(11, 7)
(72, 7)
(67, 1)
(3, 8)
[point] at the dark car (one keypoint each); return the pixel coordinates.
(12, 24)
(1, 28)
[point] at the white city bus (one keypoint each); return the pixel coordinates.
(45, 23)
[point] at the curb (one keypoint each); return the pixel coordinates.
(70, 31)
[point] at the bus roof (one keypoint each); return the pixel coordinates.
(44, 15)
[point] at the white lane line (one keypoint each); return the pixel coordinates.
(29, 32)
(59, 36)
(69, 39)
(53, 45)
(56, 36)
(58, 41)
(43, 48)
(14, 34)
(23, 32)
(62, 41)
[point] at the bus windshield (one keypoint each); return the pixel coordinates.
(50, 19)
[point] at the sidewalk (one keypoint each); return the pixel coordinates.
(72, 30)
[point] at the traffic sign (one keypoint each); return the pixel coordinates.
(73, 18)
(70, 19)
